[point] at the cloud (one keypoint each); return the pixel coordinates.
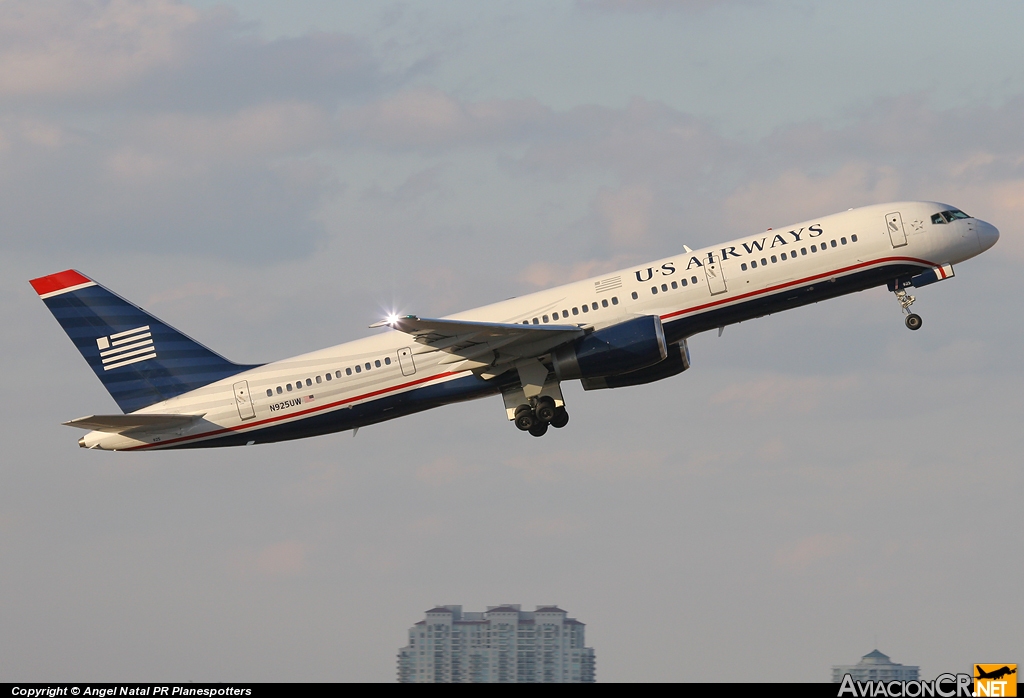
(165, 52)
(431, 119)
(801, 554)
(203, 185)
(654, 5)
(284, 559)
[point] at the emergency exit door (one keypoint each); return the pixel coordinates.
(406, 362)
(243, 401)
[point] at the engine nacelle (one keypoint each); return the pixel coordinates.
(627, 346)
(678, 360)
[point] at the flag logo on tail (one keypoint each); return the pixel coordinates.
(128, 347)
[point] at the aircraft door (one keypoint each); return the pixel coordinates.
(243, 401)
(898, 236)
(406, 362)
(716, 279)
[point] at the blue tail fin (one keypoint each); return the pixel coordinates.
(139, 359)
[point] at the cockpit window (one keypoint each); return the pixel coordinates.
(947, 216)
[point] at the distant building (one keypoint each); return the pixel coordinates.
(500, 645)
(876, 666)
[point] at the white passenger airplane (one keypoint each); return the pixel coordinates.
(625, 328)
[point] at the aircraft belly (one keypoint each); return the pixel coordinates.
(466, 387)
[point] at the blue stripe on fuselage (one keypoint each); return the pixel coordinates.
(379, 410)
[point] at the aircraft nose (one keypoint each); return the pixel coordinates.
(988, 234)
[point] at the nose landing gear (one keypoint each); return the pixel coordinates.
(913, 321)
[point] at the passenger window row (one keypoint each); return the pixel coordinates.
(575, 311)
(665, 287)
(792, 255)
(288, 387)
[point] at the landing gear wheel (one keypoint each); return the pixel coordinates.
(545, 409)
(913, 321)
(539, 429)
(560, 419)
(525, 419)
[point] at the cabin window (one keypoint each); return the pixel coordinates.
(693, 279)
(833, 243)
(318, 379)
(594, 306)
(615, 300)
(783, 256)
(803, 251)
(814, 248)
(348, 371)
(536, 321)
(358, 369)
(575, 311)
(604, 303)
(309, 382)
(327, 376)
(367, 365)
(545, 318)
(289, 386)
(664, 287)
(554, 315)
(270, 393)
(774, 260)
(565, 314)
(586, 308)
(377, 363)
(635, 296)
(683, 282)
(654, 290)
(387, 360)
(853, 238)
(675, 285)
(842, 240)
(764, 262)
(753, 264)
(279, 391)
(743, 267)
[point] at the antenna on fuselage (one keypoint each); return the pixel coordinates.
(686, 249)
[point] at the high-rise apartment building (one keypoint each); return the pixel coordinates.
(503, 644)
(875, 666)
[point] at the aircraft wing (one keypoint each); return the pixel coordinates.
(120, 423)
(484, 343)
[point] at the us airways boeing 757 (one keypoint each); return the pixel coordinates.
(625, 328)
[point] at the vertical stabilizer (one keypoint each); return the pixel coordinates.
(139, 359)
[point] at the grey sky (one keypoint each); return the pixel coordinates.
(269, 178)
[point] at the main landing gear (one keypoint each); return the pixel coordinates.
(913, 320)
(542, 413)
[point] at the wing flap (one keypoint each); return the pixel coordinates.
(484, 343)
(120, 423)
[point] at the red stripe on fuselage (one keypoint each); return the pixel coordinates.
(318, 408)
(59, 281)
(321, 408)
(795, 282)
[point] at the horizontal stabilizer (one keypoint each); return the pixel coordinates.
(119, 423)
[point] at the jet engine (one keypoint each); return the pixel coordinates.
(678, 360)
(627, 346)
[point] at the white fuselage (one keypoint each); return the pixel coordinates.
(690, 291)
